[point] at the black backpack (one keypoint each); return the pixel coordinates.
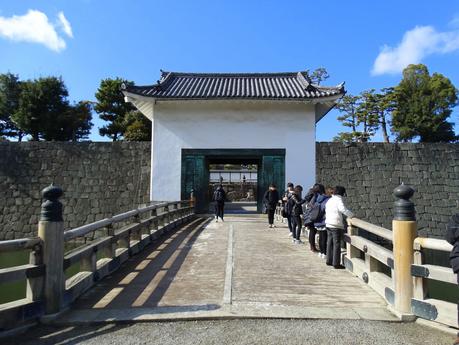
(219, 195)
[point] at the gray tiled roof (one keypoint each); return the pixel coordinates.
(289, 85)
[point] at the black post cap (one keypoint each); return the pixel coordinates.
(51, 208)
(403, 206)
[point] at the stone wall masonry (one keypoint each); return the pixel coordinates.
(370, 172)
(98, 179)
(103, 179)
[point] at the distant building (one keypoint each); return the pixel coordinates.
(199, 119)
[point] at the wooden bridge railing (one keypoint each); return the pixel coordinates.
(392, 263)
(48, 291)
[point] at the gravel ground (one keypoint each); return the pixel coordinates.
(224, 332)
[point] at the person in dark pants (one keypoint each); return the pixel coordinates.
(287, 207)
(219, 197)
(271, 199)
(297, 211)
(320, 222)
(313, 195)
(452, 236)
(334, 211)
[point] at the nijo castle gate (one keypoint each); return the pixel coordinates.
(169, 260)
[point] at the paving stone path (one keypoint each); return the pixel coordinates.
(235, 269)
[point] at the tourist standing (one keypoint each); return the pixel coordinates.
(452, 236)
(312, 213)
(334, 211)
(297, 211)
(219, 197)
(288, 206)
(271, 199)
(319, 224)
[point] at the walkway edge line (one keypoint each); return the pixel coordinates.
(227, 295)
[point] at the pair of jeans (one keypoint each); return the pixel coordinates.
(323, 241)
(297, 225)
(312, 235)
(334, 237)
(271, 216)
(219, 207)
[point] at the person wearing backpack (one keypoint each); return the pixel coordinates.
(319, 224)
(312, 213)
(452, 236)
(288, 207)
(297, 211)
(271, 199)
(219, 197)
(334, 211)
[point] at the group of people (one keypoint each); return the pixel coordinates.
(321, 210)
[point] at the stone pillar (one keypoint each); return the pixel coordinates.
(51, 231)
(404, 232)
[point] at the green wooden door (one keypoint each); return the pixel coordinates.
(272, 170)
(195, 176)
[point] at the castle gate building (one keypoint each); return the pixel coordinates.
(200, 119)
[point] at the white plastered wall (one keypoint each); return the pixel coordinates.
(230, 125)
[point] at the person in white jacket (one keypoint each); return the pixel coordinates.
(334, 211)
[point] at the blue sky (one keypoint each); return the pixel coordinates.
(85, 41)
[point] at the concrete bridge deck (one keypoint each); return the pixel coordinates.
(235, 269)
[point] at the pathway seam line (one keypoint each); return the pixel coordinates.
(227, 295)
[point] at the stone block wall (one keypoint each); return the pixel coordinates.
(103, 179)
(371, 171)
(98, 179)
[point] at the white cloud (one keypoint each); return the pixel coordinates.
(416, 44)
(64, 24)
(35, 27)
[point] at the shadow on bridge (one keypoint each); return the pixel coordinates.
(144, 279)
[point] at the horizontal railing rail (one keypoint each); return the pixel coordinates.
(47, 288)
(368, 260)
(423, 304)
(392, 262)
(19, 244)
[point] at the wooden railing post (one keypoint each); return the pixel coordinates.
(51, 231)
(404, 232)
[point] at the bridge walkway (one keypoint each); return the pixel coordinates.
(235, 269)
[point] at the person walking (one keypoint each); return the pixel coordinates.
(271, 199)
(297, 211)
(452, 236)
(219, 197)
(312, 212)
(319, 224)
(288, 207)
(334, 211)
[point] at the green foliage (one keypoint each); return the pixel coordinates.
(423, 103)
(138, 127)
(45, 113)
(42, 104)
(376, 107)
(10, 89)
(318, 75)
(111, 107)
(351, 117)
(78, 121)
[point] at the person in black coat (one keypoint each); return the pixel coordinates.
(271, 199)
(297, 211)
(219, 197)
(452, 236)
